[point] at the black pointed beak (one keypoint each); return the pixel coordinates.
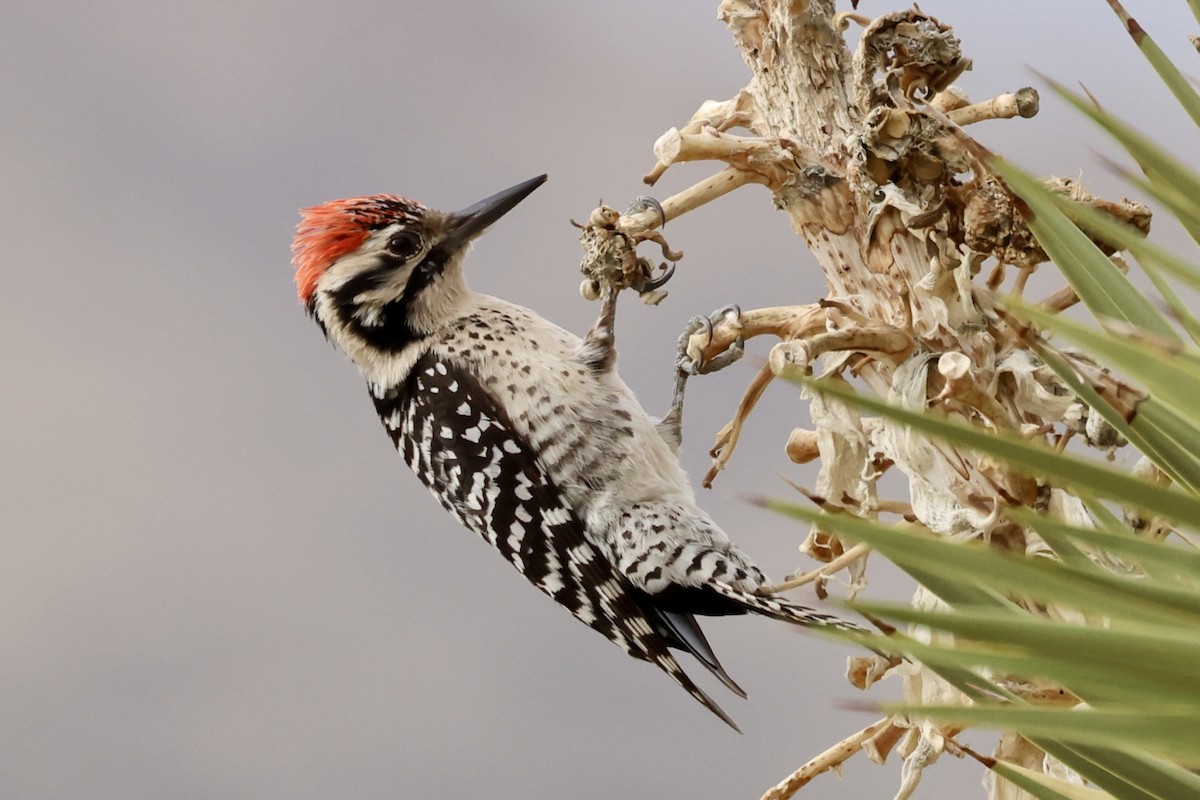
(465, 225)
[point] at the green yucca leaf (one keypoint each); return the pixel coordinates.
(1113, 691)
(1156, 162)
(1100, 285)
(1149, 662)
(1170, 74)
(1067, 550)
(1044, 786)
(1129, 774)
(1155, 260)
(1105, 519)
(946, 586)
(1105, 227)
(1179, 311)
(1168, 433)
(1174, 183)
(952, 590)
(1168, 732)
(1155, 431)
(1169, 373)
(1034, 458)
(1124, 775)
(1186, 210)
(1042, 579)
(1159, 559)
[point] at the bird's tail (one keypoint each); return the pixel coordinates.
(667, 663)
(779, 608)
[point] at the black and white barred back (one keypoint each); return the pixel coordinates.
(462, 446)
(530, 449)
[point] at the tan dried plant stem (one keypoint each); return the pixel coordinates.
(861, 146)
(832, 758)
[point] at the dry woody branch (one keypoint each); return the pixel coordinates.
(855, 126)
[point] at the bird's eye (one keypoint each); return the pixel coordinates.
(404, 245)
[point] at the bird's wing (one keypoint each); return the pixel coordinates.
(460, 443)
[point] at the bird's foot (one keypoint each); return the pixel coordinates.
(600, 346)
(692, 360)
(645, 203)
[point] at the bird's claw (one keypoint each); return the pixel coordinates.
(657, 283)
(701, 366)
(671, 426)
(645, 203)
(732, 354)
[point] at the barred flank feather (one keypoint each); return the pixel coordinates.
(462, 446)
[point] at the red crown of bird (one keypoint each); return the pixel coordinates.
(329, 231)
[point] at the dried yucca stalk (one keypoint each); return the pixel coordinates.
(866, 154)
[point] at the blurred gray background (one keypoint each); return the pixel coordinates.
(217, 580)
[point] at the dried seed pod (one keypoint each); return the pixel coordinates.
(802, 446)
(604, 217)
(1100, 434)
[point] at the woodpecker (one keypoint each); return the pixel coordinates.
(525, 433)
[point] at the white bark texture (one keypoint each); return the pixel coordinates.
(864, 153)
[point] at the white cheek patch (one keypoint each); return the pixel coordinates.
(367, 259)
(392, 288)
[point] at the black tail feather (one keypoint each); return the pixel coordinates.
(681, 632)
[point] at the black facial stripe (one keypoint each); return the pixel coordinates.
(430, 268)
(391, 331)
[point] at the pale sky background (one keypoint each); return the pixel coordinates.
(217, 579)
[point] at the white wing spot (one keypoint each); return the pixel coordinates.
(585, 612)
(516, 559)
(552, 584)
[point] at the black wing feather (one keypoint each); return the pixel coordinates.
(462, 446)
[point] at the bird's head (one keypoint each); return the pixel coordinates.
(386, 268)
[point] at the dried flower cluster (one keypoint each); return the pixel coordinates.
(865, 153)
